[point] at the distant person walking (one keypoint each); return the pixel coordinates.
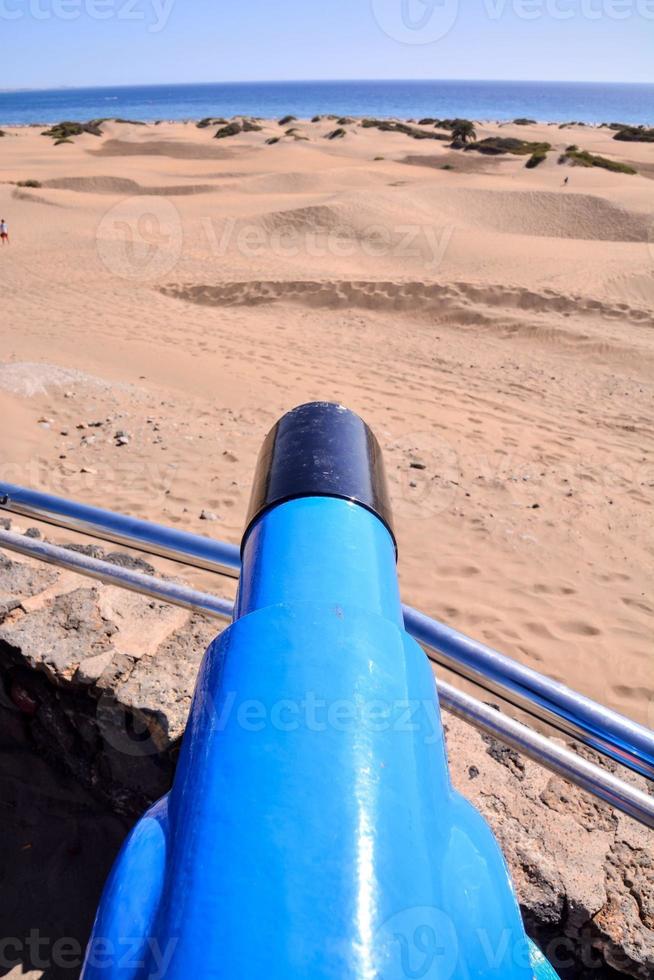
(565, 182)
(4, 232)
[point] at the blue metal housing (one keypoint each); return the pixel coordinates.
(312, 831)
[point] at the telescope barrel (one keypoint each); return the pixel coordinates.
(312, 830)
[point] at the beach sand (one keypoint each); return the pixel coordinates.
(494, 327)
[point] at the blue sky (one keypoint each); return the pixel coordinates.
(53, 43)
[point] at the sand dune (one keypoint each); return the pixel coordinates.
(349, 216)
(163, 148)
(494, 326)
(540, 213)
(317, 182)
(584, 217)
(18, 194)
(122, 186)
(488, 307)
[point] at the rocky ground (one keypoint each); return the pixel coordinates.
(96, 686)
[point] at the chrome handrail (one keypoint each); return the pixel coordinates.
(131, 532)
(608, 732)
(593, 724)
(548, 753)
(125, 578)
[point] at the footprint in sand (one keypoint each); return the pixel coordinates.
(579, 628)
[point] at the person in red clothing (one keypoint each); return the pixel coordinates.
(4, 232)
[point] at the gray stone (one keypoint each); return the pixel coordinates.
(583, 872)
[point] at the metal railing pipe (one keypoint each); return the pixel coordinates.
(118, 575)
(131, 532)
(601, 728)
(551, 755)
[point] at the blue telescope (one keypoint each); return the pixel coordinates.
(312, 832)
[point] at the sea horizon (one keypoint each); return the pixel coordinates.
(588, 102)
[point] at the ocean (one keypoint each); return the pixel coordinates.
(543, 101)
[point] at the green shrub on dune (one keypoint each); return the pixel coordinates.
(420, 134)
(523, 121)
(450, 123)
(495, 145)
(231, 129)
(536, 159)
(96, 123)
(393, 126)
(64, 130)
(383, 124)
(210, 121)
(28, 183)
(635, 134)
(285, 120)
(336, 134)
(582, 158)
(295, 133)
